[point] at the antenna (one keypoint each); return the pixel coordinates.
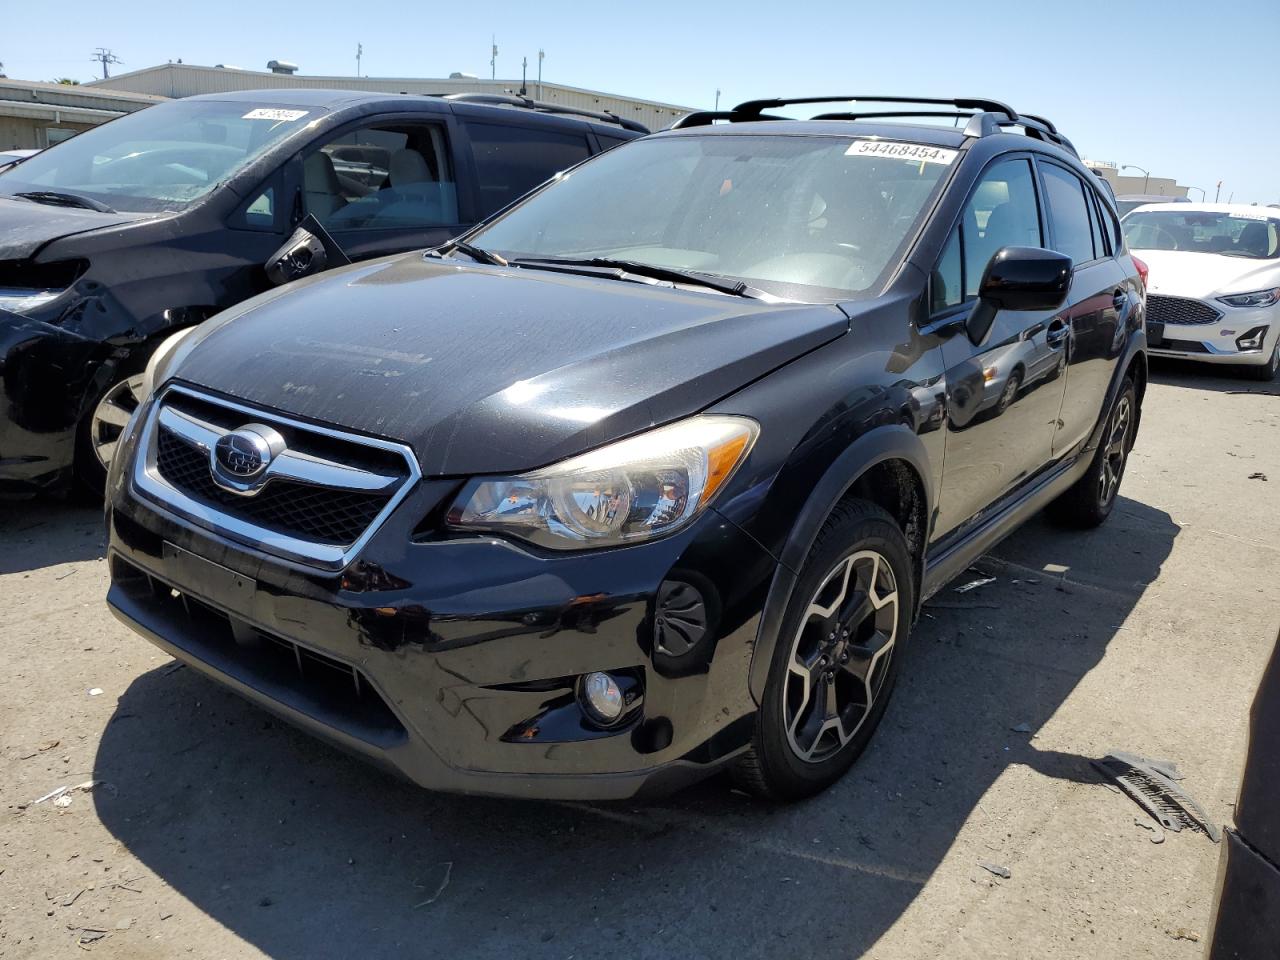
(542, 55)
(359, 54)
(106, 58)
(493, 60)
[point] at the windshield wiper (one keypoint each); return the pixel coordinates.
(475, 253)
(622, 269)
(57, 199)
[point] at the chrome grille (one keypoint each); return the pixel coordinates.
(318, 502)
(1180, 310)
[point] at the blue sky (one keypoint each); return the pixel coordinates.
(1185, 89)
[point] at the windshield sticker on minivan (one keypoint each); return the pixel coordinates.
(271, 113)
(919, 152)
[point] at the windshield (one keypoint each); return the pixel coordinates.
(797, 216)
(1252, 236)
(160, 158)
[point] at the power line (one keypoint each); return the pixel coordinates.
(105, 57)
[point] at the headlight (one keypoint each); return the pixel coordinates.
(159, 365)
(20, 301)
(1259, 298)
(637, 489)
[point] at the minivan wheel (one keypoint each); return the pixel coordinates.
(100, 431)
(1089, 501)
(837, 656)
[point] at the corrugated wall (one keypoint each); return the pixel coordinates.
(186, 80)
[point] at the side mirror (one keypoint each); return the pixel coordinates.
(308, 250)
(1019, 278)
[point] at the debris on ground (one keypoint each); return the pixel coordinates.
(444, 882)
(1157, 831)
(61, 796)
(974, 584)
(95, 692)
(1021, 728)
(1151, 784)
(1182, 933)
(1258, 476)
(999, 871)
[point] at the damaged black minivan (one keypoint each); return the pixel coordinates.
(113, 240)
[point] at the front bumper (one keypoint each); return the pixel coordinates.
(1216, 342)
(453, 662)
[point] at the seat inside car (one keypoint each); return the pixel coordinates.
(413, 192)
(320, 183)
(1255, 240)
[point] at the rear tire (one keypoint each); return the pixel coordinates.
(1089, 501)
(837, 657)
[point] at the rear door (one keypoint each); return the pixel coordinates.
(1097, 295)
(512, 156)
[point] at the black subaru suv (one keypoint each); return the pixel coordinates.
(113, 240)
(649, 474)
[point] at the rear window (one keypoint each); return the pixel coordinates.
(1246, 235)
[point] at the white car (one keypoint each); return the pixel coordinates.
(1214, 288)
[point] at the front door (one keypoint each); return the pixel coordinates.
(1003, 395)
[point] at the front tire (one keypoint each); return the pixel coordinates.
(837, 656)
(1090, 499)
(100, 431)
(1267, 372)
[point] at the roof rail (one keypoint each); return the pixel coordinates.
(984, 117)
(541, 106)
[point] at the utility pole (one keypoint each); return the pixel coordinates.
(106, 58)
(542, 54)
(524, 74)
(717, 98)
(1217, 193)
(493, 57)
(359, 54)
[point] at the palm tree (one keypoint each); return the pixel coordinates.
(67, 81)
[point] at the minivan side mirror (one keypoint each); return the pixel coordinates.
(310, 249)
(1019, 278)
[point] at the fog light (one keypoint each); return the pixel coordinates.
(601, 697)
(1253, 339)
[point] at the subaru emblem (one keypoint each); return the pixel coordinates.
(240, 459)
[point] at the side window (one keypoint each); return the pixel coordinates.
(388, 176)
(607, 142)
(512, 160)
(946, 286)
(1065, 202)
(1001, 213)
(1100, 247)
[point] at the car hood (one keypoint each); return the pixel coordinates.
(1181, 274)
(493, 370)
(25, 226)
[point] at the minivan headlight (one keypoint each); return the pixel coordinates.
(1258, 298)
(637, 489)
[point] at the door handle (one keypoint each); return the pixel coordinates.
(1057, 333)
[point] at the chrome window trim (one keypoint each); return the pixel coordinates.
(149, 486)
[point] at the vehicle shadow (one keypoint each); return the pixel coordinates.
(43, 533)
(1203, 376)
(306, 854)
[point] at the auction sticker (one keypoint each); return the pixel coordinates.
(270, 113)
(918, 152)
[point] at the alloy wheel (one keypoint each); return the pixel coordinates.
(110, 416)
(1116, 451)
(840, 655)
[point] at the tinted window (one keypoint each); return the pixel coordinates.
(1065, 203)
(392, 176)
(511, 160)
(1001, 213)
(946, 286)
(1099, 243)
